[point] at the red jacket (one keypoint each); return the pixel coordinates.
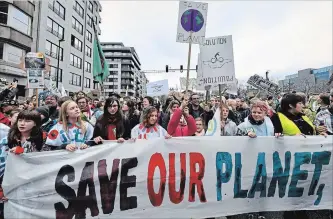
(4, 119)
(175, 130)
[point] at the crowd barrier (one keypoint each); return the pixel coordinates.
(190, 177)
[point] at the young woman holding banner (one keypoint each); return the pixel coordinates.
(70, 133)
(257, 123)
(111, 125)
(149, 128)
(25, 136)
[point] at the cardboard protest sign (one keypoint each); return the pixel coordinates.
(264, 84)
(198, 177)
(158, 88)
(192, 20)
(216, 62)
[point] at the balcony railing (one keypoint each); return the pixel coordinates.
(75, 64)
(54, 32)
(53, 55)
(78, 11)
(56, 11)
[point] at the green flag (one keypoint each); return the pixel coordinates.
(100, 67)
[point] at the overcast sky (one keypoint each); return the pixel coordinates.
(282, 37)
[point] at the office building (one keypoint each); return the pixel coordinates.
(125, 76)
(16, 39)
(66, 30)
(308, 80)
(59, 29)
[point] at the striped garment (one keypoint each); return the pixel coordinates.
(325, 117)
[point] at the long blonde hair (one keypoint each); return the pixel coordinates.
(63, 117)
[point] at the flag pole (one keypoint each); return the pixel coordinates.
(188, 62)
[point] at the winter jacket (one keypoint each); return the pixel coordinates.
(201, 111)
(129, 123)
(8, 94)
(175, 130)
(4, 119)
(207, 116)
(230, 128)
(164, 120)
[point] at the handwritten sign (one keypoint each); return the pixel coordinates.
(264, 84)
(216, 62)
(192, 20)
(158, 88)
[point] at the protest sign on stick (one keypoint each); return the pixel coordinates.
(192, 20)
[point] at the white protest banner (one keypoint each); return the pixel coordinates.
(217, 60)
(192, 20)
(158, 88)
(196, 177)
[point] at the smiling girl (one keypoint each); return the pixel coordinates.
(70, 132)
(257, 123)
(149, 128)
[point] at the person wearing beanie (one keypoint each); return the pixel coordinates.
(47, 122)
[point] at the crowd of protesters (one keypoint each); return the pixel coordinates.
(76, 123)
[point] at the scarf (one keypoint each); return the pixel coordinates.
(202, 133)
(253, 122)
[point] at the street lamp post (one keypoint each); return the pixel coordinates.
(57, 76)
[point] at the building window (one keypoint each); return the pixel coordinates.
(90, 6)
(113, 79)
(87, 67)
(1, 50)
(95, 20)
(53, 74)
(113, 86)
(96, 6)
(79, 9)
(87, 82)
(54, 28)
(52, 50)
(113, 72)
(3, 12)
(88, 51)
(57, 8)
(113, 66)
(14, 54)
(75, 61)
(15, 18)
(89, 36)
(76, 43)
(77, 25)
(75, 79)
(89, 21)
